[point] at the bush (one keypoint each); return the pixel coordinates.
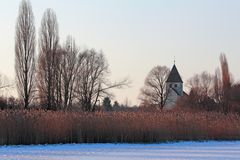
(9, 103)
(49, 127)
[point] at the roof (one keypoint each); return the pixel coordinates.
(174, 76)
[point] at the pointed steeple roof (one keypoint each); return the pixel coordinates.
(174, 76)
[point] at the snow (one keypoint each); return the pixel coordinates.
(166, 151)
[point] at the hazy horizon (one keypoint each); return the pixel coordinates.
(136, 35)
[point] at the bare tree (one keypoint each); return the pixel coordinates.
(202, 84)
(226, 82)
(70, 65)
(201, 94)
(92, 82)
(154, 91)
(48, 59)
(223, 84)
(25, 53)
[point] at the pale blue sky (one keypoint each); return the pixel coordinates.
(137, 35)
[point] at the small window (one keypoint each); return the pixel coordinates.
(170, 85)
(175, 85)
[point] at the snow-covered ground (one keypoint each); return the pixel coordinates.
(166, 151)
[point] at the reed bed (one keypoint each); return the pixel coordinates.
(51, 127)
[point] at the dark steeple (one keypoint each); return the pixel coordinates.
(174, 75)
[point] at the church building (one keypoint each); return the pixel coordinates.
(174, 88)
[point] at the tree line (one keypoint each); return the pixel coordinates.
(214, 91)
(211, 92)
(60, 75)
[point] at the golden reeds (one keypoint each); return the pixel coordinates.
(49, 127)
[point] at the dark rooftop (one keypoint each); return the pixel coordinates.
(174, 75)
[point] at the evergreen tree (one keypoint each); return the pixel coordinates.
(107, 104)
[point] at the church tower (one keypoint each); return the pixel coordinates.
(174, 87)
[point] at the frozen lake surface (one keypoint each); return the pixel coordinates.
(166, 151)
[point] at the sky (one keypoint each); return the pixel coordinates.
(136, 35)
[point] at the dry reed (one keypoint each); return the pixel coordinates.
(49, 127)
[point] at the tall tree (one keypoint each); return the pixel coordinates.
(154, 91)
(226, 82)
(48, 59)
(70, 64)
(25, 53)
